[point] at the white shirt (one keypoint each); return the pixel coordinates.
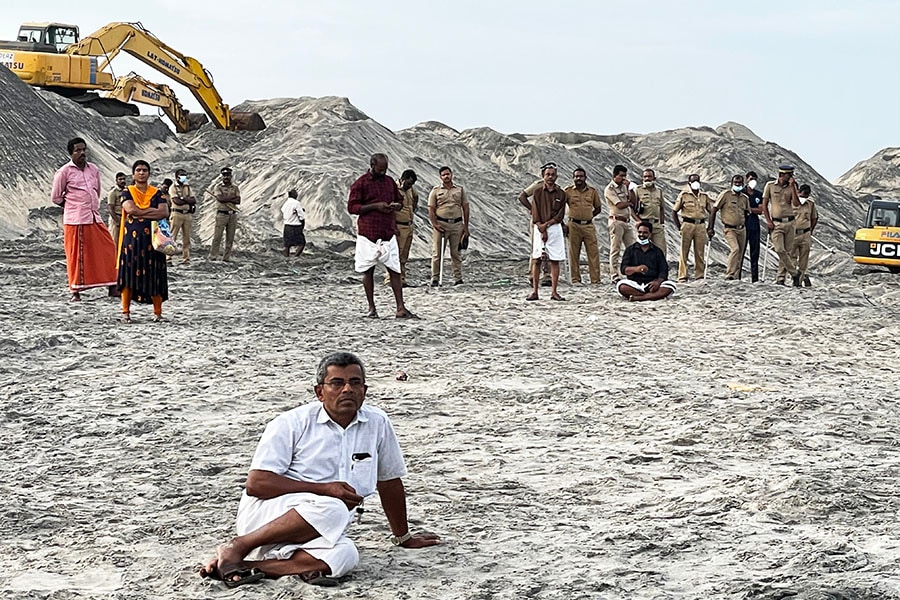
(306, 445)
(294, 214)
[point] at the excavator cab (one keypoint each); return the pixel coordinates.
(878, 243)
(48, 37)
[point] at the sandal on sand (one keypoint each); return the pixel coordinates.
(558, 298)
(243, 574)
(321, 579)
(406, 314)
(125, 318)
(372, 315)
(75, 297)
(158, 318)
(532, 297)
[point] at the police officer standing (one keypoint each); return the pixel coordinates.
(584, 204)
(404, 219)
(228, 197)
(694, 206)
(448, 209)
(183, 206)
(114, 204)
(779, 201)
(754, 200)
(807, 216)
(733, 205)
(651, 208)
(620, 203)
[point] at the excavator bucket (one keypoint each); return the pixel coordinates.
(196, 120)
(246, 121)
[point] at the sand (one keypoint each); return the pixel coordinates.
(736, 441)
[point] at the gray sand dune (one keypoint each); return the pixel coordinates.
(737, 441)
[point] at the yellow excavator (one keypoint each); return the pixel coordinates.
(134, 88)
(878, 243)
(53, 56)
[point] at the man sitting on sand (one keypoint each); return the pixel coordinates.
(312, 469)
(645, 268)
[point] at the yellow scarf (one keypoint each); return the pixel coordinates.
(142, 199)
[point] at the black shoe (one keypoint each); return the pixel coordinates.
(796, 279)
(806, 281)
(458, 282)
(434, 283)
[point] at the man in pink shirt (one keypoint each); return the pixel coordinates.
(90, 251)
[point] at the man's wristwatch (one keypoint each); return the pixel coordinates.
(399, 541)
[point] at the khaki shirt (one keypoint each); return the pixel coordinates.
(180, 191)
(615, 194)
(693, 206)
(448, 202)
(652, 204)
(114, 201)
(733, 208)
(805, 214)
(779, 198)
(223, 193)
(583, 204)
(533, 187)
(405, 214)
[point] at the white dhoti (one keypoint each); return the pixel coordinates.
(644, 287)
(329, 516)
(369, 254)
(555, 245)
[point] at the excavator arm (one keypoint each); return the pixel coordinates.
(132, 38)
(134, 88)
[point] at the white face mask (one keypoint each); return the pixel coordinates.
(737, 189)
(803, 200)
(643, 241)
(648, 184)
(695, 186)
(182, 179)
(752, 184)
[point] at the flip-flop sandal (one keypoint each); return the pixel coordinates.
(321, 579)
(532, 297)
(407, 315)
(558, 298)
(371, 315)
(125, 318)
(246, 576)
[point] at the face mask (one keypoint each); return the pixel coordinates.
(752, 184)
(182, 179)
(803, 200)
(648, 184)
(737, 189)
(695, 186)
(643, 241)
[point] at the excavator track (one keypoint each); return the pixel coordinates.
(108, 107)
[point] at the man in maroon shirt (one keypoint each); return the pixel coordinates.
(548, 207)
(375, 197)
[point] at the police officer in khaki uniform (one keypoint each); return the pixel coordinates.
(404, 218)
(779, 200)
(183, 206)
(114, 204)
(806, 217)
(621, 232)
(734, 206)
(228, 197)
(584, 204)
(694, 206)
(448, 210)
(651, 207)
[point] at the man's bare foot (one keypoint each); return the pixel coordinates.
(229, 566)
(372, 314)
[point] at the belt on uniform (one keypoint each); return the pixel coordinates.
(618, 218)
(183, 212)
(456, 220)
(582, 221)
(733, 226)
(807, 230)
(404, 223)
(695, 221)
(783, 219)
(226, 212)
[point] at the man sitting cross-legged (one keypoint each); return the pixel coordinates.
(312, 468)
(645, 268)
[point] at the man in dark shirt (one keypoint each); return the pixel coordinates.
(375, 197)
(752, 223)
(548, 207)
(645, 269)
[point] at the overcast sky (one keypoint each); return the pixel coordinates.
(818, 77)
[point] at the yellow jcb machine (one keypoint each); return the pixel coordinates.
(878, 243)
(52, 56)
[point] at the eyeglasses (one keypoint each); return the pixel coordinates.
(338, 384)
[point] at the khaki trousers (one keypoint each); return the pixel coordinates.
(693, 234)
(800, 254)
(737, 241)
(583, 234)
(658, 237)
(621, 235)
(228, 225)
(783, 243)
(115, 222)
(452, 231)
(404, 241)
(182, 223)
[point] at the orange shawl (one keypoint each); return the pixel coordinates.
(141, 200)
